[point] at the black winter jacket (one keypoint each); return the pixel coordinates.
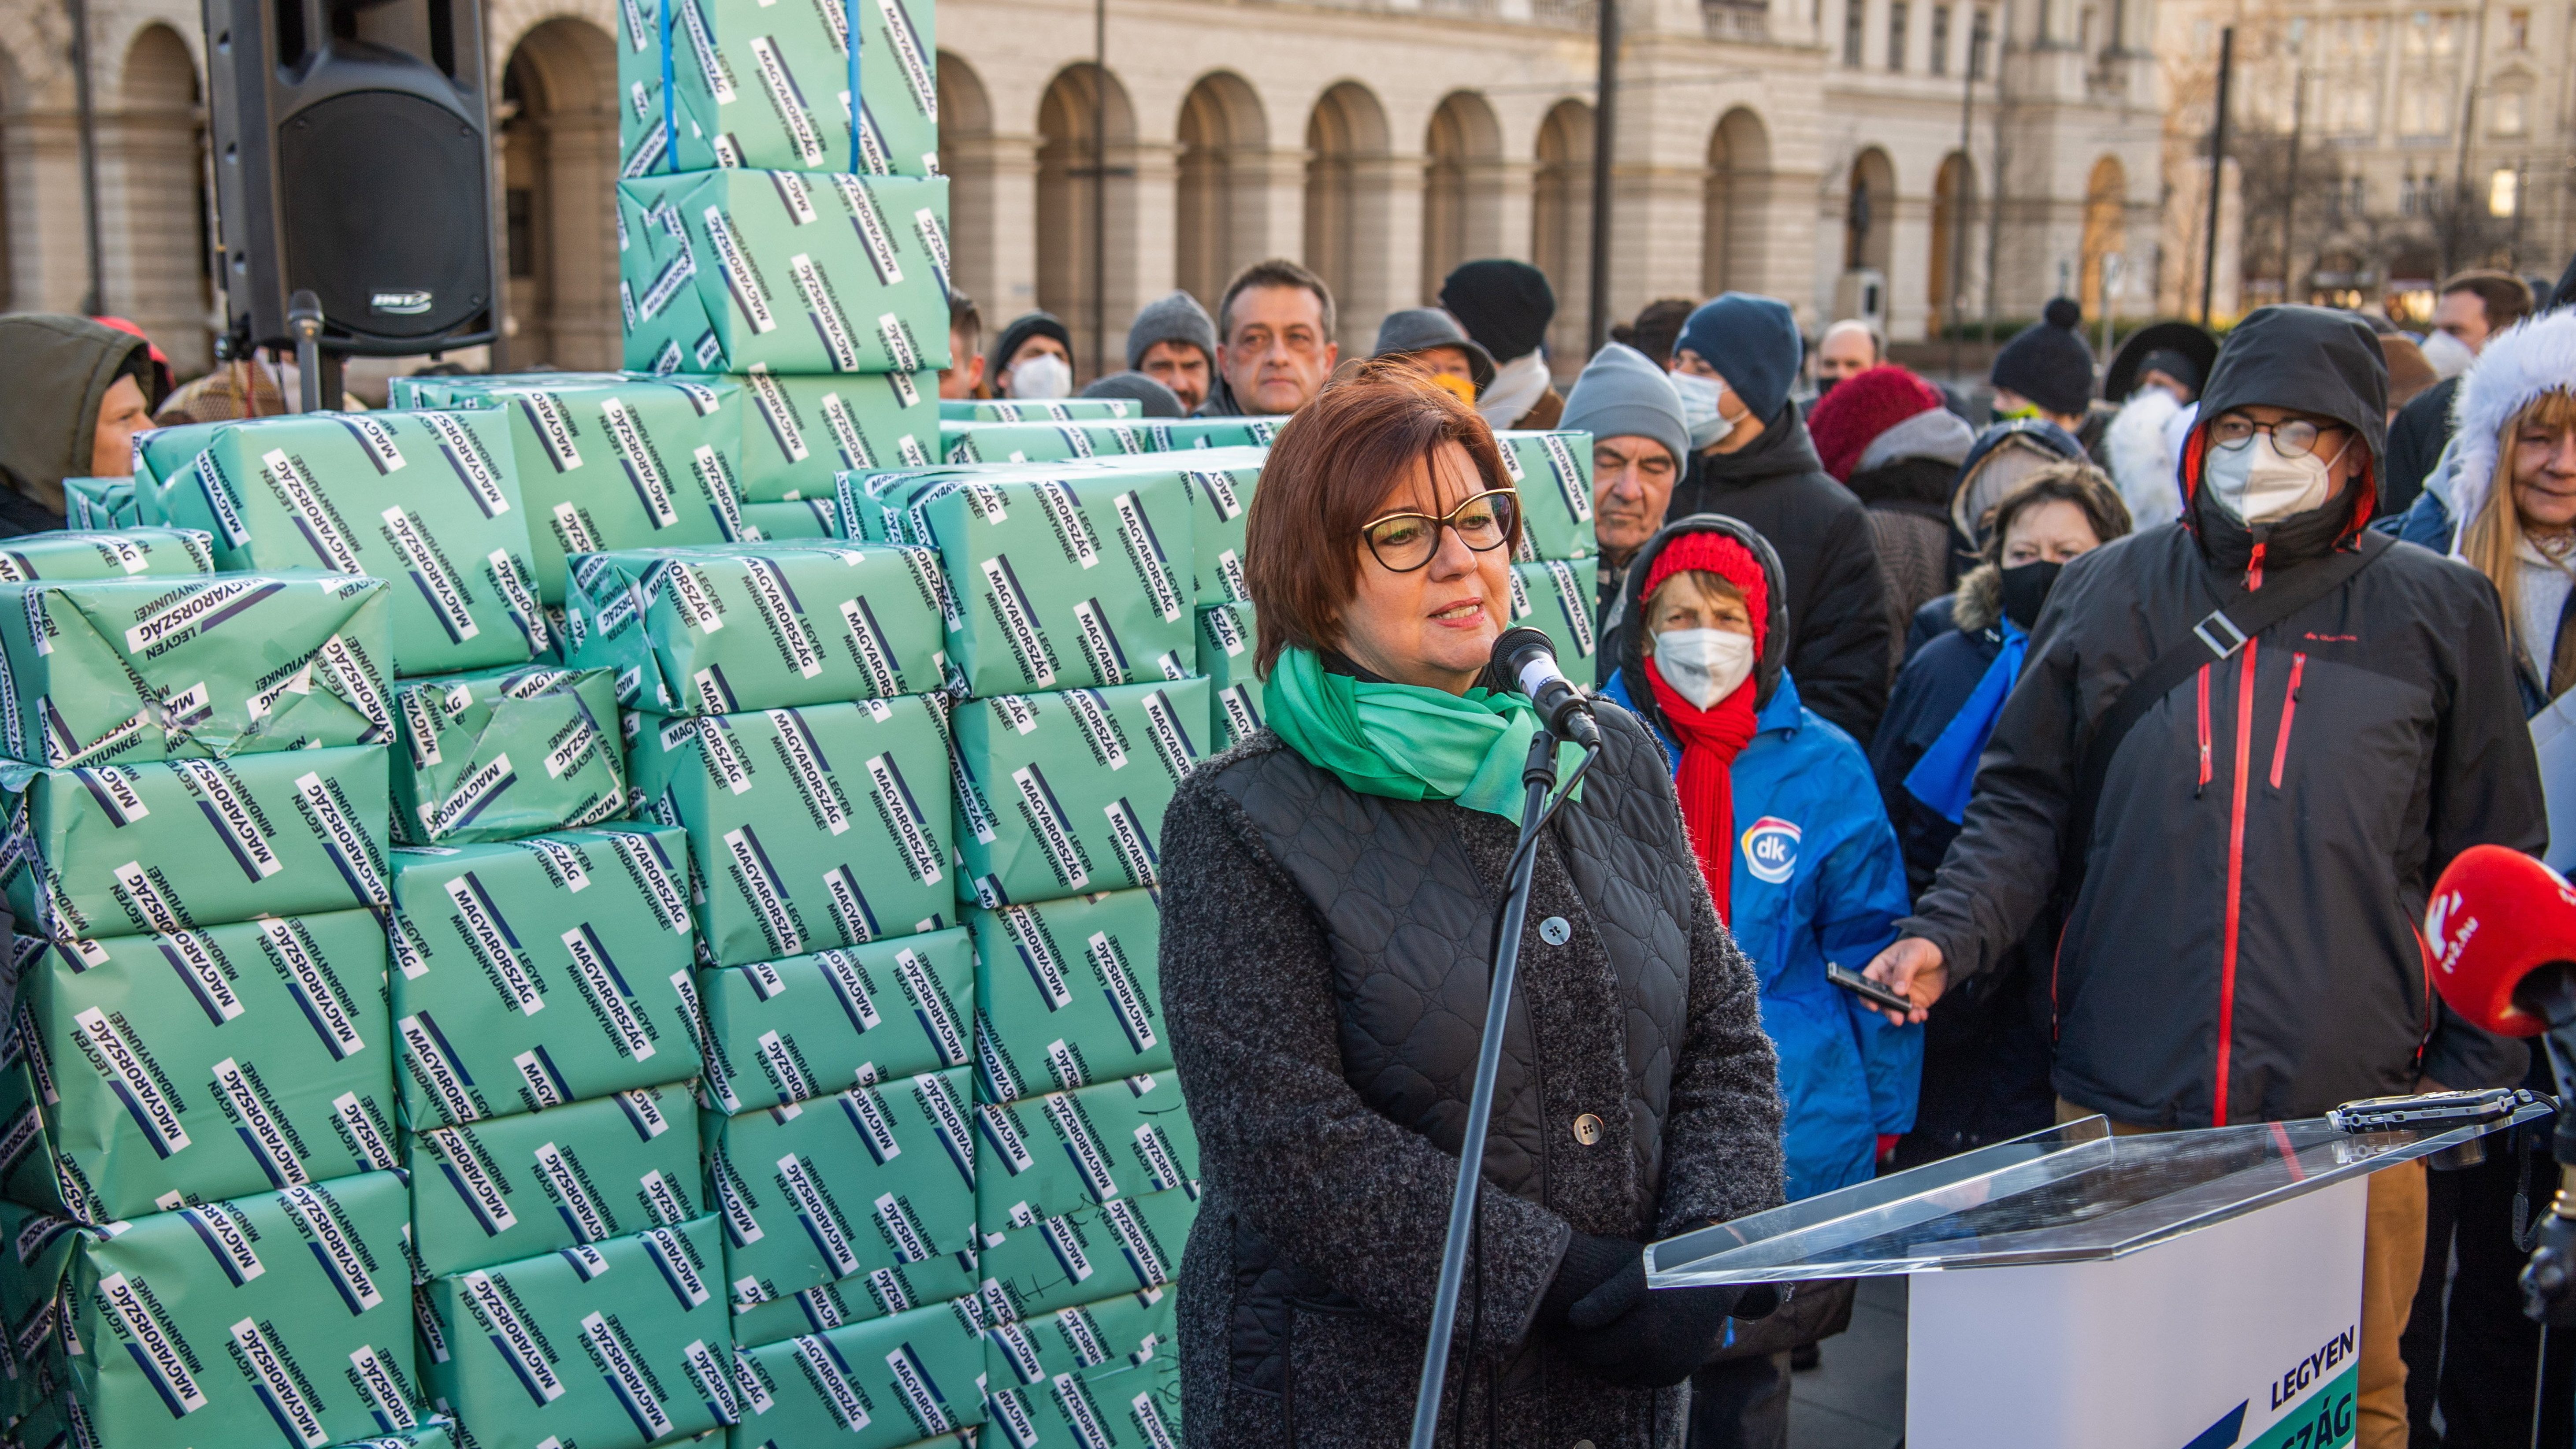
(2415, 443)
(1324, 966)
(1841, 654)
(2244, 944)
(1908, 503)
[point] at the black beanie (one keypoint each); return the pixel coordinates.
(2048, 362)
(1505, 305)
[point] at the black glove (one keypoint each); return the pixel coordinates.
(1628, 1335)
(1589, 1263)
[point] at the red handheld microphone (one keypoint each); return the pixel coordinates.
(2502, 928)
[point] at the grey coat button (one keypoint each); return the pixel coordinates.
(1582, 1444)
(1555, 931)
(1587, 1129)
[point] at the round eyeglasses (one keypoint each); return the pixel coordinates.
(2291, 437)
(1403, 542)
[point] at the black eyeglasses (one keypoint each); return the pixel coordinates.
(2291, 437)
(1403, 542)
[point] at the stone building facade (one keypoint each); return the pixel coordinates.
(1776, 146)
(2388, 142)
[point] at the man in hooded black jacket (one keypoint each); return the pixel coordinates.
(2291, 802)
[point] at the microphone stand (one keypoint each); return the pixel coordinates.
(1538, 777)
(2549, 1279)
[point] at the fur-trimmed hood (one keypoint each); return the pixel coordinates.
(1978, 603)
(2519, 364)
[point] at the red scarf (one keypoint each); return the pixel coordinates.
(1710, 738)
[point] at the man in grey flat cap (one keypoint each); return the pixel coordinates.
(1434, 339)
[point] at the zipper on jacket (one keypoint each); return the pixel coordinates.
(2235, 870)
(2289, 712)
(2203, 782)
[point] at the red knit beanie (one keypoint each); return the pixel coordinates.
(1861, 407)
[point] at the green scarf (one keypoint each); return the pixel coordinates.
(1404, 741)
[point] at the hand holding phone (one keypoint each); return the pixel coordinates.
(1866, 989)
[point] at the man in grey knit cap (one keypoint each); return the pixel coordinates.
(1639, 447)
(1173, 342)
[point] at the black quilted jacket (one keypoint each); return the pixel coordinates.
(1324, 968)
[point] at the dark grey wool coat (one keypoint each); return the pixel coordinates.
(1324, 968)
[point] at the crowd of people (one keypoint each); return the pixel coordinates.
(1929, 695)
(1902, 682)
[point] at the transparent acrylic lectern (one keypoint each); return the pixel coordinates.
(2180, 1290)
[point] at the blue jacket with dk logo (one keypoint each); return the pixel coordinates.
(1817, 879)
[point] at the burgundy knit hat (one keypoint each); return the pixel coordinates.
(1860, 408)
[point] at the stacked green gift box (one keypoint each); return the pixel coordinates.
(197, 1079)
(1068, 614)
(1554, 570)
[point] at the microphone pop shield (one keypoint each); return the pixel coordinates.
(2496, 919)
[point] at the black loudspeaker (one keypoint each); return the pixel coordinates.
(353, 158)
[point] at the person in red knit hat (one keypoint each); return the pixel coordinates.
(1782, 813)
(1886, 435)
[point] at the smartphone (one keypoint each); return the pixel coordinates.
(1866, 989)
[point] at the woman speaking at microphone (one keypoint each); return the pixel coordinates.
(1332, 889)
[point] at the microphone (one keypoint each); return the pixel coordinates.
(1527, 657)
(2502, 930)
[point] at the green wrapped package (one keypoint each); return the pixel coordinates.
(1104, 1374)
(197, 1065)
(116, 849)
(473, 746)
(800, 433)
(873, 1385)
(796, 518)
(130, 670)
(736, 627)
(1058, 578)
(284, 1316)
(475, 389)
(1068, 993)
(1125, 1245)
(433, 1432)
(1553, 472)
(427, 500)
(1173, 435)
(1220, 483)
(106, 550)
(790, 855)
(534, 1182)
(1556, 597)
(534, 973)
(878, 1176)
(1063, 793)
(877, 1293)
(726, 271)
(612, 1345)
(1034, 410)
(780, 1032)
(161, 454)
(100, 503)
(761, 86)
(1228, 641)
(1043, 1157)
(1050, 442)
(627, 463)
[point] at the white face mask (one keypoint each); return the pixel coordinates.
(2258, 485)
(1043, 375)
(2449, 355)
(1699, 407)
(1705, 665)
